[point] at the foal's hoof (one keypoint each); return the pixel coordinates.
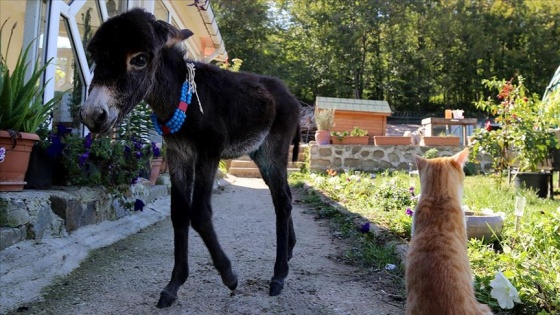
(230, 281)
(276, 287)
(166, 300)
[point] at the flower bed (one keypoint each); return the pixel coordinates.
(527, 255)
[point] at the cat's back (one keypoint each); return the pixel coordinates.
(438, 273)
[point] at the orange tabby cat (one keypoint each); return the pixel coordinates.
(438, 273)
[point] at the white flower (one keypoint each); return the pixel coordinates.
(333, 180)
(503, 291)
(390, 267)
(486, 211)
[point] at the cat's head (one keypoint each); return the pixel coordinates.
(443, 172)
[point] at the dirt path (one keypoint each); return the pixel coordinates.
(126, 278)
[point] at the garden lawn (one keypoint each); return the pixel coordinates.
(528, 255)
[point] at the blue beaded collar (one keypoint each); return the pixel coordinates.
(176, 122)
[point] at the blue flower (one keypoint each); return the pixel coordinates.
(138, 205)
(365, 227)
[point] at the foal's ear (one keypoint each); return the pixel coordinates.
(170, 34)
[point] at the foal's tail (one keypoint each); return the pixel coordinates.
(295, 142)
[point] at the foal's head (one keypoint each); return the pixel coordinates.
(126, 51)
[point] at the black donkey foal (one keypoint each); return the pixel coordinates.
(229, 114)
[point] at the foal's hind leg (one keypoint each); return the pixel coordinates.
(201, 218)
(274, 173)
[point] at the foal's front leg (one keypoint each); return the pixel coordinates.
(181, 205)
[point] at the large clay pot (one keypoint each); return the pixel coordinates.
(16, 161)
(156, 166)
(392, 140)
(323, 137)
(483, 226)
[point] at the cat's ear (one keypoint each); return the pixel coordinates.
(462, 157)
(420, 161)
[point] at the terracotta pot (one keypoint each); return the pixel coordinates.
(14, 167)
(392, 140)
(163, 168)
(440, 141)
(483, 226)
(350, 140)
(323, 137)
(156, 165)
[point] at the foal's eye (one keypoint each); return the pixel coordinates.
(140, 60)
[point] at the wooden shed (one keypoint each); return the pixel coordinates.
(370, 115)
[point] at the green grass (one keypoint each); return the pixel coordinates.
(529, 254)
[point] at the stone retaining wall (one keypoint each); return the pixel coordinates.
(371, 158)
(36, 214)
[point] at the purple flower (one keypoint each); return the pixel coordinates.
(61, 130)
(409, 212)
(2, 154)
(127, 150)
(83, 158)
(138, 205)
(56, 146)
(137, 144)
(88, 141)
(155, 150)
(138, 154)
(365, 227)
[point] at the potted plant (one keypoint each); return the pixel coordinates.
(156, 163)
(21, 113)
(324, 119)
(441, 140)
(524, 140)
(355, 136)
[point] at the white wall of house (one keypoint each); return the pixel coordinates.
(60, 29)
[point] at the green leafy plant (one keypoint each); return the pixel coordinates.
(356, 132)
(234, 66)
(431, 153)
(324, 119)
(22, 100)
(524, 138)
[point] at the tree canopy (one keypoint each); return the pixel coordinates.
(419, 55)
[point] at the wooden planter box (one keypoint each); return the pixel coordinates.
(440, 141)
(350, 140)
(392, 140)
